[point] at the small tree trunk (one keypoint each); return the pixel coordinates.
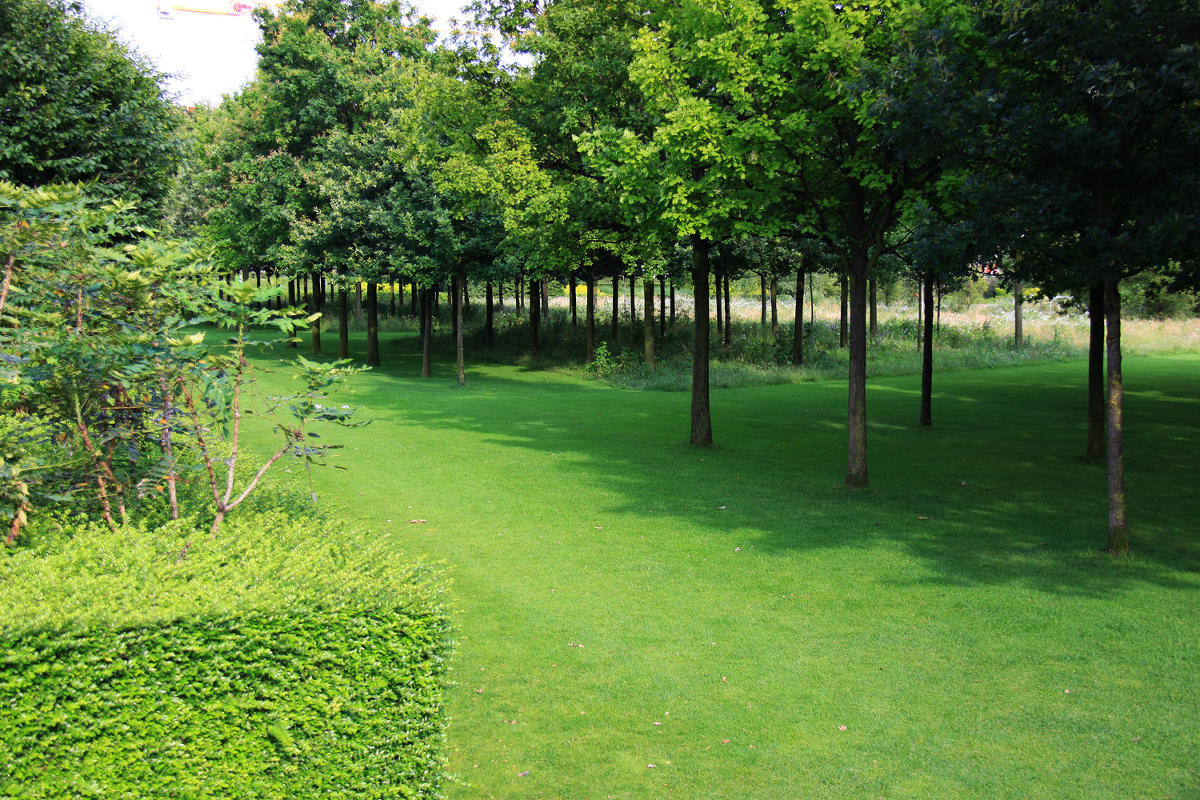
(413, 299)
(460, 294)
(874, 321)
(856, 471)
(842, 329)
(920, 312)
(633, 299)
(358, 302)
(466, 295)
(938, 289)
(798, 331)
(343, 323)
(616, 314)
(372, 324)
(544, 297)
(728, 316)
(315, 327)
(762, 298)
(648, 320)
(774, 307)
(396, 290)
(590, 314)
(927, 355)
(1118, 526)
(574, 313)
(500, 296)
(701, 433)
(672, 301)
(426, 333)
(720, 305)
(662, 306)
(291, 284)
(1018, 326)
(1095, 410)
(436, 296)
(535, 312)
(489, 317)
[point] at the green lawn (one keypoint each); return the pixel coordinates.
(636, 618)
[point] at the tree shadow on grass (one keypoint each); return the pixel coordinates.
(995, 493)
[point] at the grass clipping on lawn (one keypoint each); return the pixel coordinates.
(282, 659)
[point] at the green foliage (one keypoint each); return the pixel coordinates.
(76, 105)
(267, 663)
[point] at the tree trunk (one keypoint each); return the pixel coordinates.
(426, 333)
(489, 317)
(460, 286)
(413, 299)
(466, 295)
(500, 296)
(774, 307)
(1118, 527)
(544, 297)
(920, 312)
(701, 434)
(616, 314)
(927, 355)
(372, 324)
(591, 319)
(1095, 409)
(397, 294)
(720, 304)
(633, 299)
(856, 471)
(728, 316)
(662, 306)
(842, 330)
(762, 298)
(874, 323)
(291, 284)
(672, 301)
(535, 312)
(315, 327)
(648, 320)
(436, 297)
(343, 323)
(358, 302)
(798, 331)
(574, 313)
(1018, 327)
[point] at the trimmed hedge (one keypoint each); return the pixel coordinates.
(277, 661)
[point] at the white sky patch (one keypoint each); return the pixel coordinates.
(207, 54)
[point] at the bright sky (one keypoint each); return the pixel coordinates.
(210, 54)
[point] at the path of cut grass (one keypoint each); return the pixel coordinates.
(640, 619)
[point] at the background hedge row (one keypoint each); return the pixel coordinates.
(280, 660)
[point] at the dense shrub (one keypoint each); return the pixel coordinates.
(277, 660)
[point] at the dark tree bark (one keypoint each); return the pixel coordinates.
(574, 313)
(874, 323)
(535, 312)
(343, 323)
(720, 305)
(413, 299)
(590, 315)
(798, 331)
(762, 298)
(436, 297)
(701, 434)
(1095, 409)
(544, 297)
(672, 301)
(633, 299)
(662, 306)
(397, 294)
(466, 295)
(842, 329)
(315, 326)
(856, 469)
(489, 321)
(1118, 526)
(291, 284)
(616, 314)
(648, 320)
(460, 286)
(920, 313)
(372, 324)
(358, 302)
(426, 333)
(728, 316)
(500, 296)
(927, 354)
(1018, 322)
(774, 307)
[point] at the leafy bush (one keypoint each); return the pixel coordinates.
(267, 662)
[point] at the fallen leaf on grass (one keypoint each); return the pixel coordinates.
(841, 727)
(416, 521)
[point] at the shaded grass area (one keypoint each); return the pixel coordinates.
(637, 618)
